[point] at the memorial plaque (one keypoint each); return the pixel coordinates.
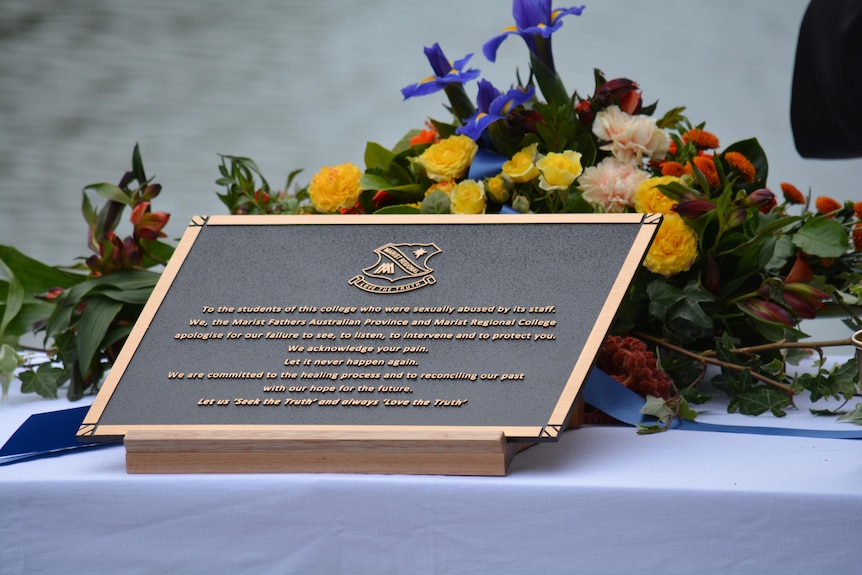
(343, 343)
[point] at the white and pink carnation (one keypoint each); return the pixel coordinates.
(630, 138)
(612, 184)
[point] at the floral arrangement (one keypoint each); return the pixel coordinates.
(732, 271)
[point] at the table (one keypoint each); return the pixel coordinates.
(603, 500)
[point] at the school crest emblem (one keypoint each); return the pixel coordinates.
(399, 268)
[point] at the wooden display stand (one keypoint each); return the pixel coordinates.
(462, 452)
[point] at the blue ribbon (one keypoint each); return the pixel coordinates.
(486, 164)
(608, 395)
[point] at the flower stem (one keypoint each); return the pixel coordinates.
(784, 388)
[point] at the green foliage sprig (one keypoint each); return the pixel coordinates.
(84, 312)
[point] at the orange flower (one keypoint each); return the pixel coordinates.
(701, 138)
(857, 210)
(791, 194)
(707, 166)
(741, 164)
(674, 169)
(424, 137)
(857, 237)
(826, 205)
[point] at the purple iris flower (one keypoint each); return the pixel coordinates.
(492, 106)
(445, 73)
(533, 19)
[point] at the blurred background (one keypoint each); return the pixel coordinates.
(298, 84)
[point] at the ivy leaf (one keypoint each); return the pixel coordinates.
(9, 362)
(658, 408)
(758, 401)
(692, 394)
(854, 416)
(680, 309)
(44, 380)
(822, 237)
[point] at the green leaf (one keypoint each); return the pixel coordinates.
(693, 395)
(377, 182)
(36, 277)
(758, 401)
(9, 362)
(14, 300)
(658, 408)
(138, 165)
(853, 416)
(44, 380)
(88, 211)
(376, 156)
(111, 192)
(822, 237)
(92, 327)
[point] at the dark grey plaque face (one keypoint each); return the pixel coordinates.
(341, 321)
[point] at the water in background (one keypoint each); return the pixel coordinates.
(294, 84)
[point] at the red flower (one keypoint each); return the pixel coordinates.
(148, 225)
(693, 208)
(762, 199)
(621, 91)
(766, 310)
(585, 112)
(804, 299)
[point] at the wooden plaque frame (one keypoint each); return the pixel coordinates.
(161, 442)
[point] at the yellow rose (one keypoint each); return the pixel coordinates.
(521, 168)
(468, 197)
(448, 159)
(650, 200)
(334, 187)
(559, 170)
(496, 188)
(673, 249)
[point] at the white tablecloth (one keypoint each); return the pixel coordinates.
(601, 501)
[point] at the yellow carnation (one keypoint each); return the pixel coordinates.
(650, 200)
(468, 197)
(559, 170)
(674, 247)
(520, 168)
(334, 187)
(448, 159)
